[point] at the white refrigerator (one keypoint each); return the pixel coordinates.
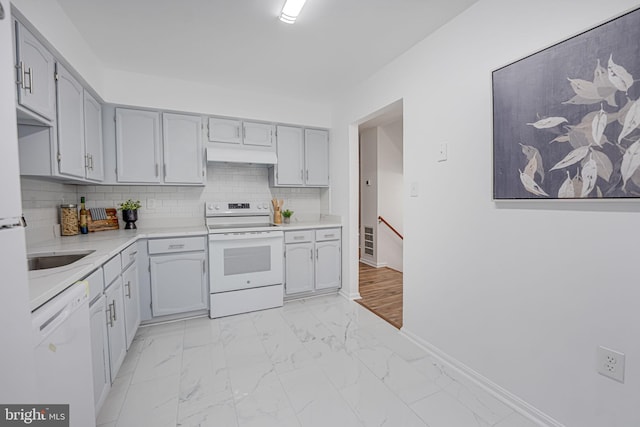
(16, 358)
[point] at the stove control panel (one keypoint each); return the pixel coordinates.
(237, 208)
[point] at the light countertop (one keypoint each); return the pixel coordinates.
(46, 284)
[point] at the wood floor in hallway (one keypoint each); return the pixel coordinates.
(381, 292)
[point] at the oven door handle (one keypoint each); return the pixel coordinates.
(254, 235)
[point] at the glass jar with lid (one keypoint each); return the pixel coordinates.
(69, 220)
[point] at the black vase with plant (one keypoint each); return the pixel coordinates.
(130, 213)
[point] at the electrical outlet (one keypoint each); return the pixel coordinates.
(151, 203)
(611, 363)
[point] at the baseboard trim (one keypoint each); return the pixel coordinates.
(517, 404)
(351, 295)
(373, 264)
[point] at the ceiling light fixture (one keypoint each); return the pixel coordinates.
(291, 10)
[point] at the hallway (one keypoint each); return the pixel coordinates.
(381, 292)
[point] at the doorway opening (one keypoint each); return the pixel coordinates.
(380, 219)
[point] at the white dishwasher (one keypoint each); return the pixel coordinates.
(62, 340)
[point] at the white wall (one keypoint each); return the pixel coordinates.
(522, 293)
(369, 193)
(390, 194)
(143, 90)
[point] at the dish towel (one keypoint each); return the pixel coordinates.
(98, 214)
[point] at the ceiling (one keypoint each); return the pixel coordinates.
(240, 44)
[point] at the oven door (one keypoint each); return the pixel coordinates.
(245, 260)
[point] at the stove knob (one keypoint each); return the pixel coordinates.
(217, 207)
(210, 207)
(264, 206)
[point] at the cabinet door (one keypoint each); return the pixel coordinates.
(93, 137)
(115, 327)
(99, 352)
(259, 134)
(289, 170)
(316, 157)
(35, 65)
(131, 302)
(328, 264)
(137, 145)
(70, 97)
(182, 143)
(298, 259)
(225, 130)
(178, 283)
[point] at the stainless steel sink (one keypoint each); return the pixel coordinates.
(53, 260)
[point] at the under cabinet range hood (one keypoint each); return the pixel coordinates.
(215, 153)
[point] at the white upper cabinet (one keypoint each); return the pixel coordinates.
(290, 150)
(183, 151)
(303, 158)
(70, 101)
(93, 138)
(138, 155)
(35, 71)
(225, 130)
(243, 133)
(258, 134)
(316, 157)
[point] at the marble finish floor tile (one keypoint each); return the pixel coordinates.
(322, 361)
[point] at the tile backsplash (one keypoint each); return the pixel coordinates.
(166, 205)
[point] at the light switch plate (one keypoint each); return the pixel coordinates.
(442, 152)
(413, 191)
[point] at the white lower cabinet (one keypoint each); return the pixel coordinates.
(131, 302)
(298, 268)
(178, 270)
(99, 351)
(313, 261)
(115, 326)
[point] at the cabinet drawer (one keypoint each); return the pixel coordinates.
(96, 284)
(179, 244)
(128, 256)
(298, 236)
(327, 234)
(112, 270)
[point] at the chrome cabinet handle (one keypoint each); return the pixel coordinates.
(307, 178)
(298, 237)
(91, 161)
(109, 316)
(316, 253)
(311, 257)
(114, 311)
(128, 286)
(204, 268)
(176, 246)
(30, 87)
(156, 169)
(20, 81)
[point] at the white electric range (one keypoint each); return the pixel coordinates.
(245, 258)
